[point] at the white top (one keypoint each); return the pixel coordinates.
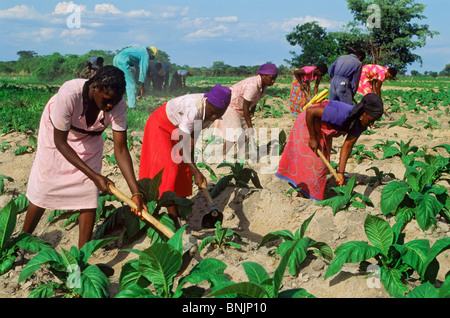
(185, 110)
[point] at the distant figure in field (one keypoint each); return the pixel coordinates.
(301, 88)
(92, 66)
(372, 78)
(134, 56)
(179, 79)
(345, 73)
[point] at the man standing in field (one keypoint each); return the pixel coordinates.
(345, 73)
(134, 56)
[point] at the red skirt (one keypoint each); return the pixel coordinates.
(156, 155)
(299, 165)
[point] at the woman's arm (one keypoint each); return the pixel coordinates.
(316, 86)
(246, 113)
(187, 140)
(377, 87)
(60, 139)
(313, 114)
(125, 164)
(343, 157)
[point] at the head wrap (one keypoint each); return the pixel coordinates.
(268, 69)
(371, 104)
(153, 49)
(219, 96)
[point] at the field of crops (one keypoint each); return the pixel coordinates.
(384, 234)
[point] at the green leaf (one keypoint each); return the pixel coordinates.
(391, 280)
(426, 211)
(135, 291)
(273, 236)
(438, 247)
(379, 233)
(392, 195)
(8, 215)
(350, 252)
(93, 283)
(255, 272)
(426, 290)
(159, 264)
(247, 289)
(48, 255)
(414, 253)
(90, 247)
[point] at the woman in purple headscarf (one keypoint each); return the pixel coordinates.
(236, 122)
(168, 130)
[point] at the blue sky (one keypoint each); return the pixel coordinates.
(196, 32)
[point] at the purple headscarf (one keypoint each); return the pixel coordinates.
(268, 69)
(219, 96)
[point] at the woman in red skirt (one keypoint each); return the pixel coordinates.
(174, 124)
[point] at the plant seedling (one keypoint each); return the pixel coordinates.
(346, 197)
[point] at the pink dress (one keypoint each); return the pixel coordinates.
(370, 72)
(232, 122)
(54, 183)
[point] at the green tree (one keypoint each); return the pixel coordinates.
(315, 43)
(397, 35)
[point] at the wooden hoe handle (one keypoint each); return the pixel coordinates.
(328, 164)
(147, 216)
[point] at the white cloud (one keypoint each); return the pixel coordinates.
(66, 7)
(227, 19)
(106, 8)
(76, 32)
(20, 12)
(288, 25)
(206, 33)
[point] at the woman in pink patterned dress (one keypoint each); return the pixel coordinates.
(372, 78)
(237, 122)
(301, 88)
(66, 173)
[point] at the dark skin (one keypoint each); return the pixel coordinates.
(211, 113)
(267, 81)
(314, 114)
(376, 85)
(98, 100)
(307, 89)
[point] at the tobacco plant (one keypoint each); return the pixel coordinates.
(219, 240)
(300, 252)
(396, 259)
(346, 197)
(77, 277)
(418, 195)
(10, 246)
(242, 176)
(260, 284)
(360, 152)
(153, 274)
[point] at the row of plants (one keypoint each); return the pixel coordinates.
(158, 265)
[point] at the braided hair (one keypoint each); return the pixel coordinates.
(107, 77)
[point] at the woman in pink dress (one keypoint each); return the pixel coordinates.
(66, 172)
(236, 123)
(301, 87)
(372, 78)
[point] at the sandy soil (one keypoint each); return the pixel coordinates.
(252, 213)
